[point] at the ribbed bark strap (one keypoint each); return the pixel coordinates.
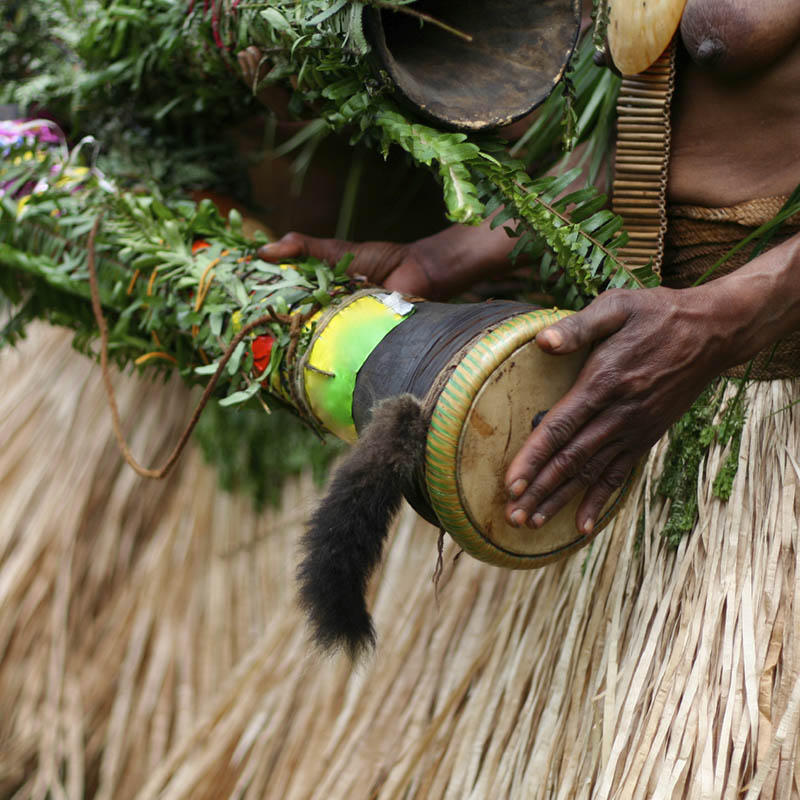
(642, 160)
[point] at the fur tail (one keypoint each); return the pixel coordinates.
(344, 539)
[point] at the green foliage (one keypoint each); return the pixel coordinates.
(124, 59)
(689, 440)
(255, 452)
(159, 295)
(34, 61)
(730, 433)
(723, 483)
(582, 235)
(594, 106)
(43, 274)
(162, 68)
(452, 153)
(134, 74)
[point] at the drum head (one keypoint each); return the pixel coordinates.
(481, 420)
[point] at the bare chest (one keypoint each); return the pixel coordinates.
(736, 110)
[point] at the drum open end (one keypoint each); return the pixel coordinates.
(512, 55)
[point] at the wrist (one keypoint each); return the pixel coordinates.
(460, 256)
(749, 309)
(761, 299)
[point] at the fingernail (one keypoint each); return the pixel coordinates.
(553, 338)
(588, 526)
(538, 520)
(518, 518)
(517, 488)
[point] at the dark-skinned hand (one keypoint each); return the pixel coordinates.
(436, 267)
(654, 352)
(398, 267)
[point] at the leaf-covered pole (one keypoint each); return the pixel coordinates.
(176, 283)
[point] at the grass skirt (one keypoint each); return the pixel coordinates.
(150, 645)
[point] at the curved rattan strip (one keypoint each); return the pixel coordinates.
(750, 213)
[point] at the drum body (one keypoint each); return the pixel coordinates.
(499, 391)
(483, 382)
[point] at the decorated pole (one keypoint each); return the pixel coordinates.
(182, 288)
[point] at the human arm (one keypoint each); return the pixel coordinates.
(655, 350)
(435, 267)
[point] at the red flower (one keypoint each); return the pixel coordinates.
(199, 245)
(262, 350)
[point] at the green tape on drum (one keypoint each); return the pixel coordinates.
(342, 343)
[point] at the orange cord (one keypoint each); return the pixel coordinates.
(151, 282)
(133, 281)
(155, 354)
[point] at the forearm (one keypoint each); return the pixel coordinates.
(461, 255)
(759, 303)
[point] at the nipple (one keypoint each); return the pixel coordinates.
(709, 51)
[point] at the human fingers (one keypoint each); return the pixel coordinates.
(556, 432)
(601, 318)
(299, 245)
(381, 263)
(586, 477)
(592, 392)
(596, 497)
(577, 463)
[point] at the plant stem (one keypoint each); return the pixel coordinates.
(403, 9)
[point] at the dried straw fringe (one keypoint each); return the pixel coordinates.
(150, 646)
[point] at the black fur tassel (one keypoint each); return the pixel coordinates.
(344, 539)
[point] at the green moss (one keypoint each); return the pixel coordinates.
(730, 432)
(690, 439)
